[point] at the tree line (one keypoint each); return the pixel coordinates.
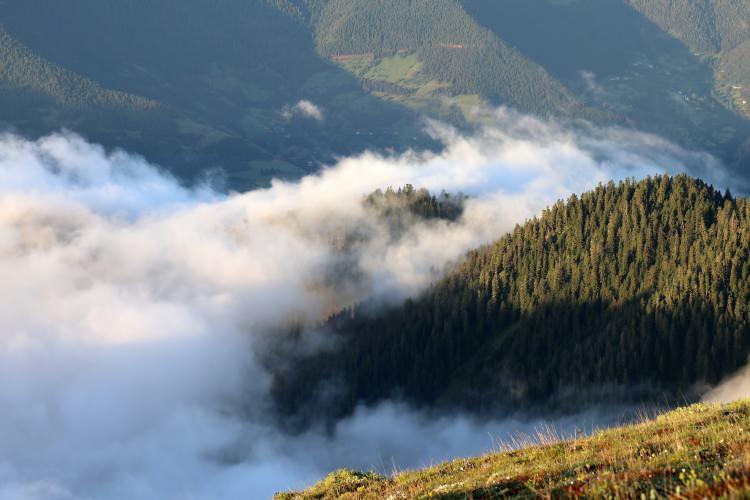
(451, 45)
(631, 284)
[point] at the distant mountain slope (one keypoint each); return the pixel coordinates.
(715, 28)
(227, 74)
(433, 48)
(692, 22)
(618, 61)
(20, 68)
(223, 73)
(598, 59)
(708, 26)
(733, 74)
(631, 285)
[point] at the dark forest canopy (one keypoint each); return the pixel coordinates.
(632, 284)
(396, 205)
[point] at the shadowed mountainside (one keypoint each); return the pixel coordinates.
(633, 285)
(214, 90)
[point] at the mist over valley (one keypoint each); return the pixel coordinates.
(246, 244)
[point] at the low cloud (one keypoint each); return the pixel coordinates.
(303, 108)
(132, 309)
(736, 386)
(592, 86)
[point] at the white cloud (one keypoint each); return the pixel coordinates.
(734, 387)
(131, 308)
(303, 108)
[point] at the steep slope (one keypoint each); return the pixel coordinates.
(616, 60)
(38, 96)
(221, 80)
(601, 60)
(718, 29)
(706, 27)
(635, 285)
(733, 74)
(701, 451)
(20, 68)
(692, 22)
(432, 49)
(224, 73)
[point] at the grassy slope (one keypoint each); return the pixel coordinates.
(431, 56)
(697, 451)
(674, 68)
(638, 75)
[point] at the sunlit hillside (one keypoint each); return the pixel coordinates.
(695, 452)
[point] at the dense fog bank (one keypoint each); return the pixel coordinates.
(133, 308)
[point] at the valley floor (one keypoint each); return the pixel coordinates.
(694, 452)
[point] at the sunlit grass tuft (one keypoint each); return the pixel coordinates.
(698, 451)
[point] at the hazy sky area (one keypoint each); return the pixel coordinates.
(131, 307)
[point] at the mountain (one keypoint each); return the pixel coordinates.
(609, 61)
(715, 29)
(274, 88)
(701, 451)
(632, 288)
(434, 52)
(191, 85)
(618, 60)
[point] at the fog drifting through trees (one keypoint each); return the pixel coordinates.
(133, 308)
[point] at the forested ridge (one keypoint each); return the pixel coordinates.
(215, 77)
(395, 205)
(631, 284)
(717, 29)
(221, 72)
(599, 60)
(707, 26)
(451, 46)
(20, 68)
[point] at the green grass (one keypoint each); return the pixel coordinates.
(418, 91)
(466, 103)
(694, 452)
(395, 69)
(356, 64)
